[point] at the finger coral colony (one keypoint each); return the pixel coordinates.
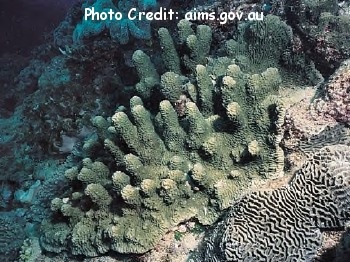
(140, 127)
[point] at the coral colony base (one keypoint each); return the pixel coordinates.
(204, 121)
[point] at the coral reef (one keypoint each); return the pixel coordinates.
(261, 44)
(323, 31)
(30, 250)
(285, 224)
(159, 168)
(182, 126)
(12, 234)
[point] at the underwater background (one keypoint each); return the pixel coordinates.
(206, 137)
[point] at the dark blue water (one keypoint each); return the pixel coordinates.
(26, 24)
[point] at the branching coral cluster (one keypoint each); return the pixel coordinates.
(160, 168)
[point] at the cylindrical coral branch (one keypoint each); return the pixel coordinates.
(56, 204)
(230, 91)
(132, 164)
(253, 148)
(72, 173)
(131, 195)
(101, 124)
(211, 146)
(142, 119)
(172, 132)
(198, 127)
(148, 187)
(168, 190)
(204, 35)
(235, 114)
(178, 176)
(178, 163)
(115, 151)
(234, 71)
(125, 129)
(73, 213)
(184, 30)
(205, 89)
(119, 181)
(199, 44)
(169, 55)
(261, 85)
(147, 73)
(171, 86)
(98, 194)
(93, 172)
(199, 175)
(144, 66)
(148, 138)
(135, 100)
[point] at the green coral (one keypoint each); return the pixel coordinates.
(98, 194)
(260, 45)
(199, 46)
(205, 88)
(164, 167)
(169, 54)
(338, 28)
(55, 236)
(93, 172)
(149, 77)
(30, 250)
(174, 135)
(171, 86)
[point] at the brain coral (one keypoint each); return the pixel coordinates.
(285, 224)
(187, 146)
(119, 30)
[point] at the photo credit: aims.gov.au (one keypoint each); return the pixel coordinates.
(163, 14)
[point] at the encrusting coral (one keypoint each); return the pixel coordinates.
(161, 167)
(261, 44)
(285, 224)
(335, 100)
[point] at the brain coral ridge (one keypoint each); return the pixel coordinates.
(158, 167)
(286, 224)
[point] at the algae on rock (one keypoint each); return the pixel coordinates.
(260, 45)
